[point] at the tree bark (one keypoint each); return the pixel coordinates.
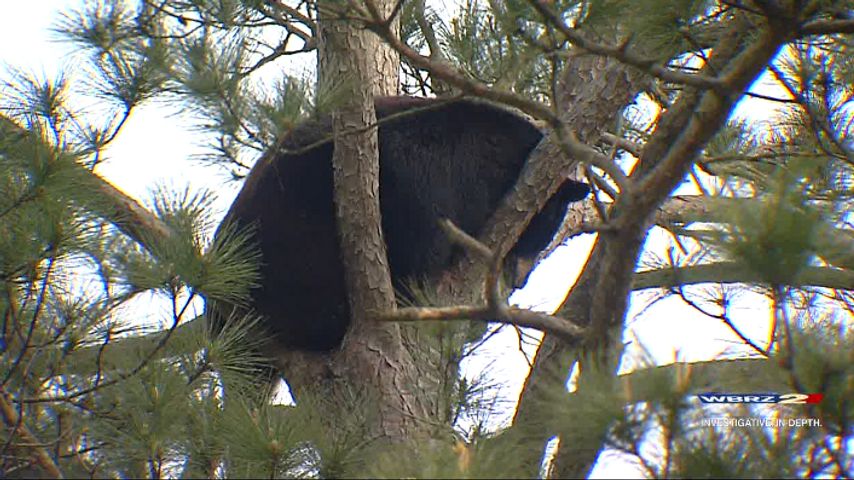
(593, 90)
(372, 362)
(600, 296)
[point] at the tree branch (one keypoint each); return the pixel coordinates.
(732, 272)
(496, 308)
(742, 374)
(120, 353)
(16, 426)
(664, 163)
(621, 53)
(124, 212)
(723, 317)
(599, 296)
(827, 27)
(111, 203)
(512, 316)
(447, 73)
(680, 142)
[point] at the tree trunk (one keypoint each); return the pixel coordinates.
(372, 365)
(599, 298)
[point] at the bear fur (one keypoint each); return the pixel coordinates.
(453, 160)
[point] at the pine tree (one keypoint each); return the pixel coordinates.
(637, 99)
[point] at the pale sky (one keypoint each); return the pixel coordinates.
(155, 145)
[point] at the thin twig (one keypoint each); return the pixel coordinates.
(621, 53)
(13, 420)
(723, 317)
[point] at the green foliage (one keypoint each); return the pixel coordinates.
(653, 416)
(67, 279)
(716, 456)
(798, 173)
(822, 363)
(466, 404)
(493, 44)
(103, 26)
(776, 237)
(109, 394)
(487, 458)
(661, 27)
(37, 221)
(263, 439)
(201, 53)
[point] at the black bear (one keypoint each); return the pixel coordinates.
(453, 160)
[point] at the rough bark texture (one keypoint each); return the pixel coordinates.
(374, 360)
(600, 296)
(372, 363)
(593, 90)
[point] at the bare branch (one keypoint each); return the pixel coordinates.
(496, 310)
(126, 213)
(17, 427)
(827, 27)
(286, 9)
(278, 52)
(732, 272)
(705, 118)
(633, 148)
(723, 317)
(465, 240)
(513, 316)
(491, 282)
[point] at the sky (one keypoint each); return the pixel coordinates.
(155, 146)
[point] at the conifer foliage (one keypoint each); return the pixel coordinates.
(717, 138)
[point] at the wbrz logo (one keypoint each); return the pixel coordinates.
(760, 397)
